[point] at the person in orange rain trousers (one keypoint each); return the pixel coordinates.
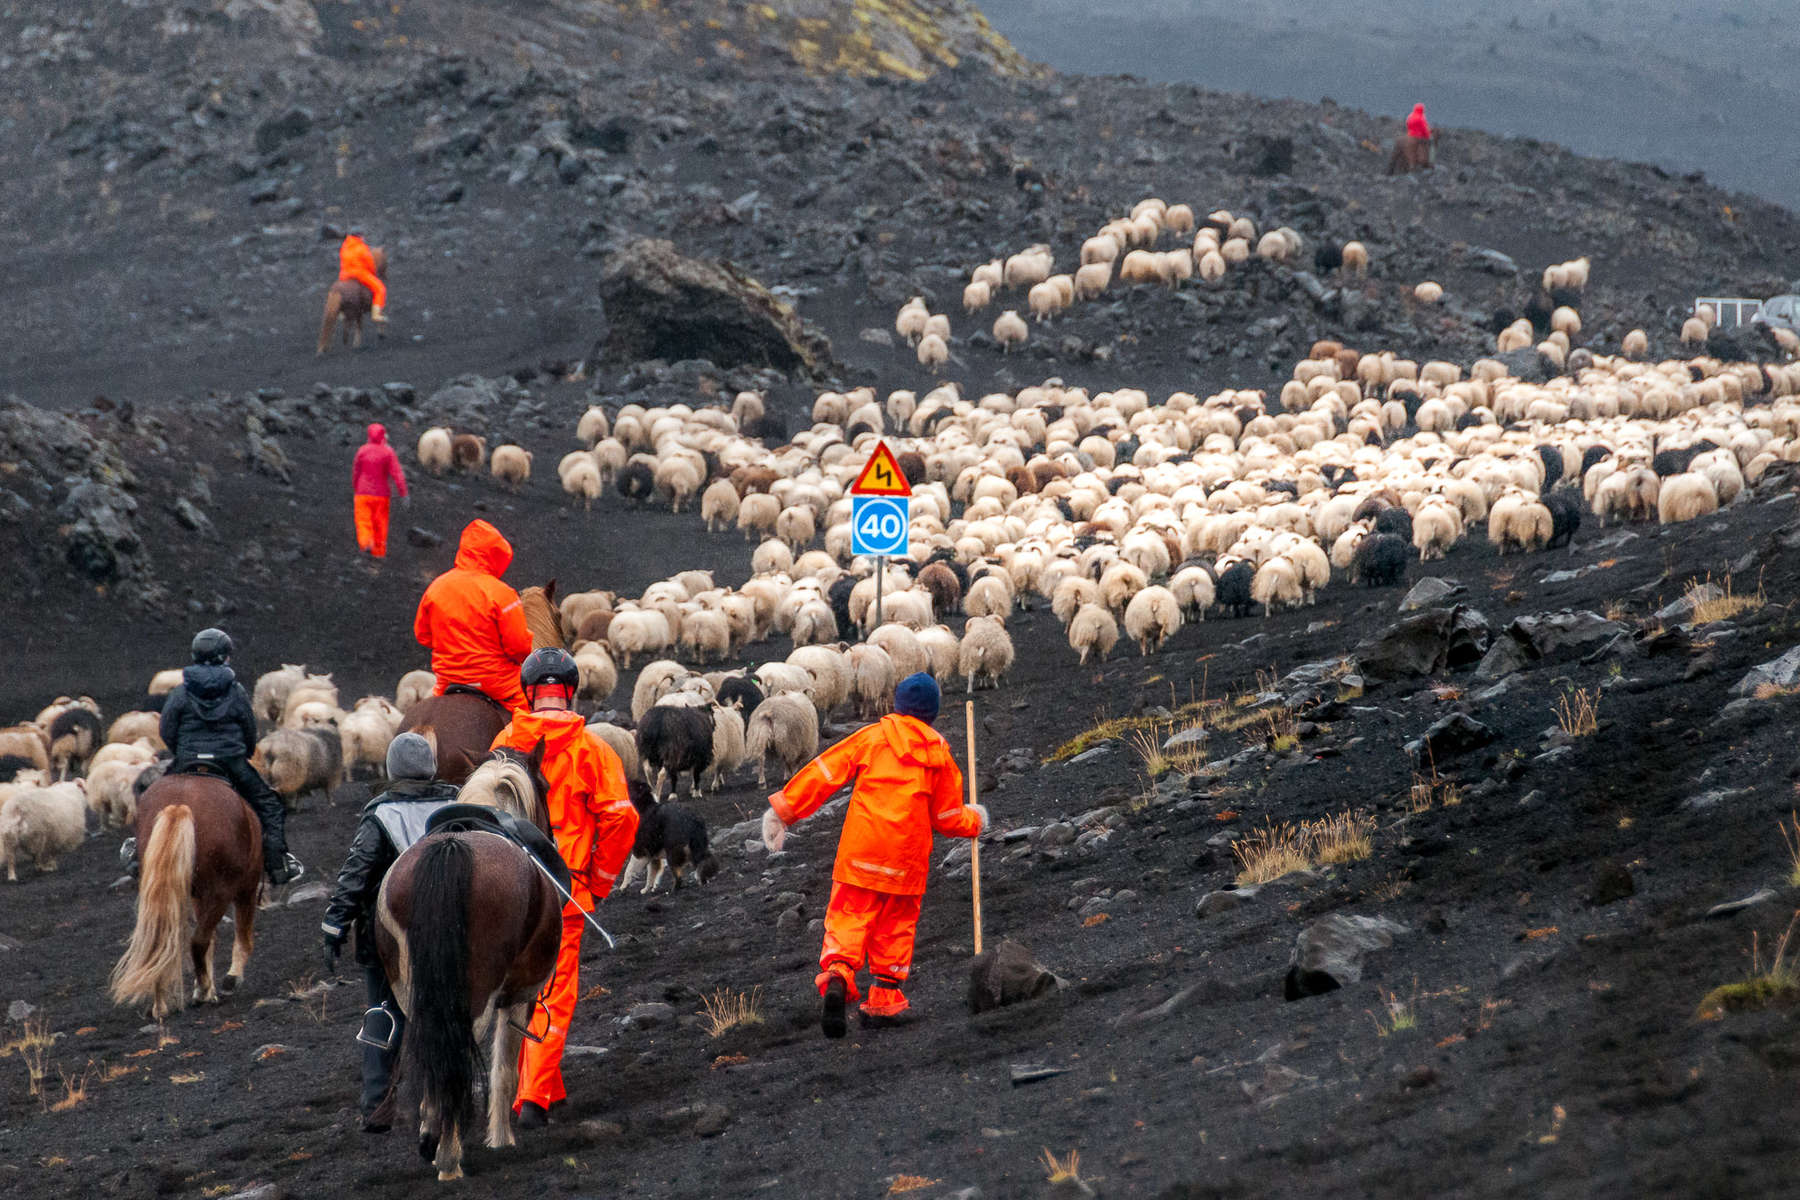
(594, 823)
(906, 788)
(472, 623)
(356, 261)
(371, 471)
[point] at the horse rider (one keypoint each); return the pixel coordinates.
(905, 787)
(390, 823)
(594, 823)
(473, 624)
(357, 261)
(1416, 124)
(207, 722)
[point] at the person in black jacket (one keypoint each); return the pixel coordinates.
(207, 719)
(390, 823)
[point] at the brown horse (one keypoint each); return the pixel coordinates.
(349, 301)
(1412, 154)
(201, 843)
(461, 726)
(468, 929)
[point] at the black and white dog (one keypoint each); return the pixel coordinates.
(670, 838)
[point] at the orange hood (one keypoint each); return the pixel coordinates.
(558, 728)
(483, 549)
(910, 739)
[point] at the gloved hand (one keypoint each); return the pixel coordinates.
(981, 811)
(334, 946)
(774, 831)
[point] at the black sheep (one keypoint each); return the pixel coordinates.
(1380, 560)
(742, 691)
(12, 764)
(636, 482)
(1565, 518)
(838, 596)
(1552, 459)
(1592, 457)
(1327, 257)
(676, 740)
(1675, 461)
(1232, 590)
(1396, 521)
(75, 734)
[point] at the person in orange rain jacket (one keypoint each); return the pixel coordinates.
(371, 471)
(906, 787)
(594, 823)
(472, 623)
(356, 261)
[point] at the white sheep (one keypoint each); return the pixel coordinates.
(719, 505)
(785, 727)
(1276, 584)
(598, 674)
(1636, 345)
(932, 352)
(1685, 497)
(872, 680)
(511, 465)
(1010, 330)
(1152, 617)
(977, 296)
(413, 687)
(44, 822)
(909, 323)
(434, 450)
(1093, 631)
(582, 481)
(757, 513)
(622, 742)
(1356, 259)
(728, 746)
(592, 426)
(1428, 292)
(986, 652)
(706, 636)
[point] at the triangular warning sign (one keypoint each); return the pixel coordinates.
(882, 476)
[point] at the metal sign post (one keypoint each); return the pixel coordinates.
(880, 515)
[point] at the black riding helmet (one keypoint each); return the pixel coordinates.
(549, 665)
(212, 647)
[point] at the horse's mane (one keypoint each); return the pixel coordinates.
(505, 783)
(541, 618)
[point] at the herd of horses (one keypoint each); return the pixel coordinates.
(467, 926)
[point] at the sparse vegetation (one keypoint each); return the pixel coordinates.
(1147, 744)
(1790, 834)
(726, 1010)
(1780, 981)
(74, 1090)
(1280, 848)
(1397, 1015)
(1061, 1170)
(1578, 712)
(1431, 791)
(1724, 606)
(33, 1048)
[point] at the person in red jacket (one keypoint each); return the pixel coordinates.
(357, 261)
(374, 468)
(1417, 126)
(472, 623)
(594, 824)
(906, 788)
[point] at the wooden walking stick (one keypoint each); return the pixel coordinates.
(975, 846)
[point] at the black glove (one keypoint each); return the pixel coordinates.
(334, 946)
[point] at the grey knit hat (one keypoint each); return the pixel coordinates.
(410, 756)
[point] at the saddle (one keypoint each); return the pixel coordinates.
(479, 818)
(200, 766)
(463, 689)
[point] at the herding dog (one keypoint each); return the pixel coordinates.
(669, 837)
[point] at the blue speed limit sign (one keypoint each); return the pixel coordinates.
(878, 526)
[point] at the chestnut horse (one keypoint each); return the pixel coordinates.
(1412, 154)
(349, 301)
(462, 726)
(202, 845)
(468, 929)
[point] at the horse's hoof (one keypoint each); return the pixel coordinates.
(450, 1176)
(428, 1145)
(230, 985)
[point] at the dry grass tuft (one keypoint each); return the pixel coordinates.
(33, 1048)
(1578, 712)
(1780, 981)
(1147, 744)
(1722, 607)
(1061, 1170)
(726, 1010)
(74, 1090)
(1790, 834)
(1431, 791)
(1397, 1015)
(1346, 837)
(1275, 850)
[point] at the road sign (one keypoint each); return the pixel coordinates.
(878, 526)
(881, 477)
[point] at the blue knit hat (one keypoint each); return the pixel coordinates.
(917, 696)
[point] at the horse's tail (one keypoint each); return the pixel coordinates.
(441, 1052)
(151, 967)
(333, 302)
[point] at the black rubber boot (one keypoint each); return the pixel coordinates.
(533, 1116)
(831, 1013)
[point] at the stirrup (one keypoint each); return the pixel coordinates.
(379, 1017)
(536, 1039)
(128, 851)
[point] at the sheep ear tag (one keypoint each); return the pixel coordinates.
(881, 476)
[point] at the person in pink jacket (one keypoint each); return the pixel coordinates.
(1416, 124)
(375, 466)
